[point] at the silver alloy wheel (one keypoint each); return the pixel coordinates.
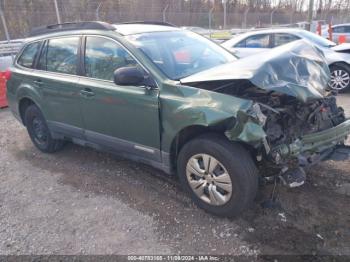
(209, 179)
(340, 79)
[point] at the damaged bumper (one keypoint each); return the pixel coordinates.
(313, 143)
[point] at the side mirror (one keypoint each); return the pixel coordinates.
(128, 76)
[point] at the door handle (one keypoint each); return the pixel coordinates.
(38, 82)
(87, 92)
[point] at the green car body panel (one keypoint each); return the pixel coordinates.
(151, 119)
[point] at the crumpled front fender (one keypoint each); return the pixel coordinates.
(184, 106)
(248, 128)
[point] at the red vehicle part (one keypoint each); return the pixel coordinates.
(3, 100)
(342, 39)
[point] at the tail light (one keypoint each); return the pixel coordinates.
(7, 74)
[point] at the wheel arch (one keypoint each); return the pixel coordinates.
(339, 63)
(26, 95)
(23, 104)
(185, 135)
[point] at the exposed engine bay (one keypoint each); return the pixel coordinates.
(286, 119)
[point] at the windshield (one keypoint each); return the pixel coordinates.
(180, 53)
(317, 39)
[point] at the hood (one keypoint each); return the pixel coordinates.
(297, 69)
(342, 47)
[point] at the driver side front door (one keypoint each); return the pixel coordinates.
(121, 118)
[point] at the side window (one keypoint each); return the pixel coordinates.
(60, 55)
(240, 44)
(104, 56)
(257, 41)
(347, 29)
(281, 39)
(338, 29)
(28, 55)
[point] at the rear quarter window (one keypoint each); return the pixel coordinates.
(29, 54)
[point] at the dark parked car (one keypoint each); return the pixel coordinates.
(179, 102)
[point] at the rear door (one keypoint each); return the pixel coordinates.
(56, 77)
(124, 118)
(252, 45)
(279, 39)
(21, 74)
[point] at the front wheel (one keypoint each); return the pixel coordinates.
(220, 176)
(340, 77)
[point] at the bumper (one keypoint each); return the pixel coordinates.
(314, 143)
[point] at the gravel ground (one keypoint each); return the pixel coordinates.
(80, 201)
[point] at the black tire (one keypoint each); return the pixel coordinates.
(337, 68)
(39, 132)
(239, 165)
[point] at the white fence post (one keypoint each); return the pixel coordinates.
(3, 20)
(164, 12)
(57, 12)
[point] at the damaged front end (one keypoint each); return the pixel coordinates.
(293, 121)
(308, 132)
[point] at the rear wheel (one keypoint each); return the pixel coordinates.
(39, 131)
(340, 77)
(220, 176)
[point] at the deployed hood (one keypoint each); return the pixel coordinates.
(297, 69)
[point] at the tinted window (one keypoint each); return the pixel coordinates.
(240, 44)
(255, 41)
(60, 55)
(339, 29)
(28, 56)
(281, 39)
(103, 57)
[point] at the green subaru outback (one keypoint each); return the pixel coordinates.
(177, 101)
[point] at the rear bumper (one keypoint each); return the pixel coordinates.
(314, 143)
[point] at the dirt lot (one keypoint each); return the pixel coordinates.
(80, 201)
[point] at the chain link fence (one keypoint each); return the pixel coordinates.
(22, 15)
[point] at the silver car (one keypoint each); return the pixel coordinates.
(337, 32)
(337, 56)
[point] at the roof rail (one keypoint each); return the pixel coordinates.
(150, 23)
(96, 25)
